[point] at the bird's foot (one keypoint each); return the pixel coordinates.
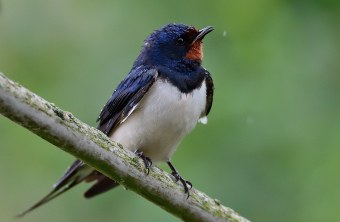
(147, 161)
(186, 184)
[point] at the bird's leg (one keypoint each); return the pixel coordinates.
(147, 161)
(186, 183)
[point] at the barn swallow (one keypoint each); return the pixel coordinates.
(160, 101)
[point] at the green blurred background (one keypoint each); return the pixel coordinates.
(271, 150)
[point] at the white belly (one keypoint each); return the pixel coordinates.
(161, 120)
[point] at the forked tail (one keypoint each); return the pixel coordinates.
(75, 174)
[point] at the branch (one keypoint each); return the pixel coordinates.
(93, 147)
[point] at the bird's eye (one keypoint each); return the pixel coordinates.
(180, 41)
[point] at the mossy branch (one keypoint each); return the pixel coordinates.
(93, 147)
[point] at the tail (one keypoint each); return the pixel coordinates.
(75, 174)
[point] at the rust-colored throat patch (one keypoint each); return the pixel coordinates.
(196, 51)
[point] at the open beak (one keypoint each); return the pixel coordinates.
(202, 33)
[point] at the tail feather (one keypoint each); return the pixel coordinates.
(102, 185)
(53, 194)
(75, 174)
(71, 172)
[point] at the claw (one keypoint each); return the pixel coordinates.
(189, 183)
(176, 175)
(147, 161)
(186, 183)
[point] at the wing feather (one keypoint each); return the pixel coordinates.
(210, 92)
(125, 98)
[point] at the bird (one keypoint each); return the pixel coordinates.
(165, 94)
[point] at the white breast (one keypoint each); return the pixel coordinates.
(161, 120)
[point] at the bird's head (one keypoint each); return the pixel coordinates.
(172, 43)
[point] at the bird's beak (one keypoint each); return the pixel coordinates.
(202, 33)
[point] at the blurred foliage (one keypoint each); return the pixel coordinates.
(272, 146)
